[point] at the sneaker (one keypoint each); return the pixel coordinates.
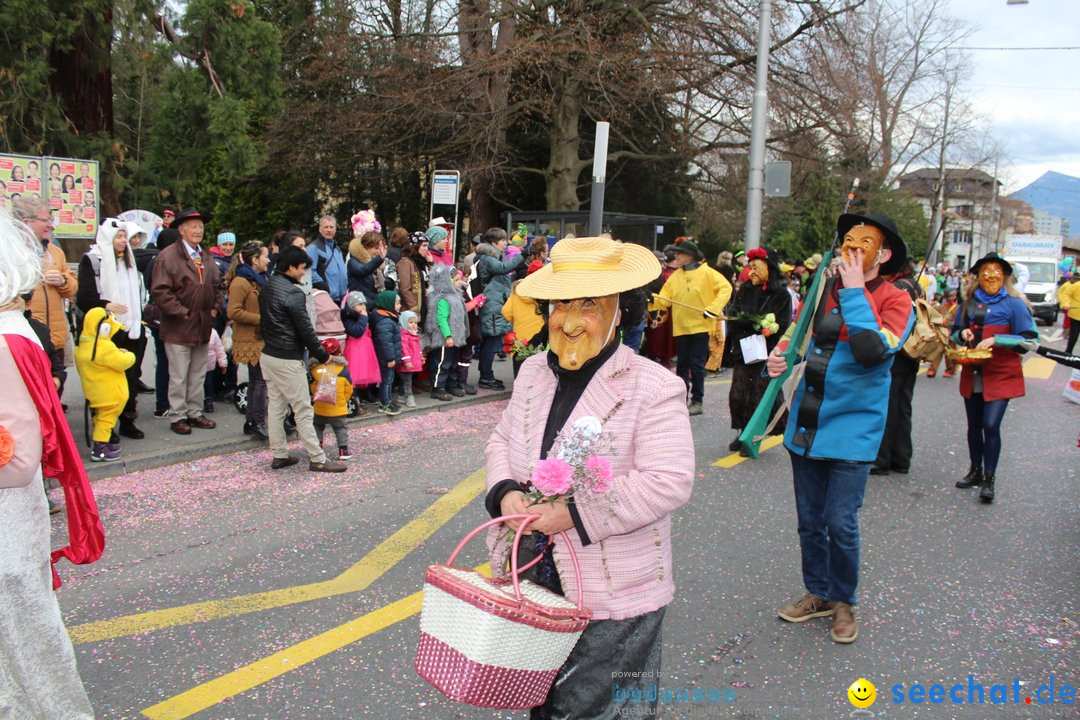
(278, 463)
(807, 607)
(410, 401)
(344, 454)
(491, 385)
(164, 413)
(845, 628)
(456, 391)
(469, 389)
(696, 409)
(208, 406)
(256, 431)
(391, 409)
(101, 453)
(440, 394)
(327, 466)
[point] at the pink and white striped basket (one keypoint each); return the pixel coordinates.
(496, 643)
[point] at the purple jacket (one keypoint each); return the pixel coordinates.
(627, 569)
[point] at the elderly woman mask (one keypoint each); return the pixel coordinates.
(759, 272)
(867, 238)
(580, 328)
(991, 278)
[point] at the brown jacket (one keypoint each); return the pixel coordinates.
(244, 313)
(409, 288)
(47, 304)
(185, 300)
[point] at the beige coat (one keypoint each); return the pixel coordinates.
(47, 304)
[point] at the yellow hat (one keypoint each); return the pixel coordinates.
(591, 267)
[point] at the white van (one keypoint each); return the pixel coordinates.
(1042, 285)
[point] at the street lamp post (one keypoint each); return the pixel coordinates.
(758, 128)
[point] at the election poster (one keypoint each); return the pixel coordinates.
(19, 175)
(71, 189)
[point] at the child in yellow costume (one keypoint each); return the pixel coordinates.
(101, 366)
(332, 413)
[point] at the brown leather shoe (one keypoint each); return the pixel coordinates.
(181, 427)
(202, 422)
(805, 608)
(278, 463)
(327, 466)
(845, 628)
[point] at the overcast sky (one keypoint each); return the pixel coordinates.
(1031, 97)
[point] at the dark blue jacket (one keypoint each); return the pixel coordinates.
(355, 323)
(386, 334)
(362, 277)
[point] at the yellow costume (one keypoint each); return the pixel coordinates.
(101, 365)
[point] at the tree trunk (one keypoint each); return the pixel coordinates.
(82, 80)
(564, 165)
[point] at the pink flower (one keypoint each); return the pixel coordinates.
(552, 476)
(600, 469)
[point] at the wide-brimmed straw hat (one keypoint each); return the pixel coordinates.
(590, 267)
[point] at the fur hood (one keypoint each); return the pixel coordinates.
(489, 250)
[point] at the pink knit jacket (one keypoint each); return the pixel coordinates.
(627, 569)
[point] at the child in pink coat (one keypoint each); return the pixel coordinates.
(215, 358)
(412, 358)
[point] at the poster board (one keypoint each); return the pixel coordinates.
(71, 188)
(19, 175)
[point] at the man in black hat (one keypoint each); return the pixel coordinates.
(186, 289)
(838, 413)
(697, 295)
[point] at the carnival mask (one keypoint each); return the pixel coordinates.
(759, 272)
(867, 238)
(580, 328)
(991, 277)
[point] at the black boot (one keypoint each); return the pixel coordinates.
(974, 477)
(987, 492)
(128, 429)
(735, 445)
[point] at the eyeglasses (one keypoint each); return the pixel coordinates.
(47, 219)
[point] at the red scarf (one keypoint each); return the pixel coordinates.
(60, 457)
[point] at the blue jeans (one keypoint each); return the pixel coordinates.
(632, 337)
(489, 347)
(828, 495)
(386, 386)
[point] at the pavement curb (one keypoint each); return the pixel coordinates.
(220, 446)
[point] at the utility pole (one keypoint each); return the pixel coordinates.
(599, 172)
(758, 129)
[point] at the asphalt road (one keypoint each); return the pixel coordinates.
(228, 591)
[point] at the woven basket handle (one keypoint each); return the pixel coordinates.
(514, 569)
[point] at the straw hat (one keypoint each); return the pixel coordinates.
(590, 267)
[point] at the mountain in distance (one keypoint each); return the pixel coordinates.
(1056, 194)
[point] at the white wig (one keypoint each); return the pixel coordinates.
(20, 271)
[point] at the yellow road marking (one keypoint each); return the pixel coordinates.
(1039, 368)
(211, 693)
(383, 557)
(735, 458)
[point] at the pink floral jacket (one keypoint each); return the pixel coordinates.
(627, 569)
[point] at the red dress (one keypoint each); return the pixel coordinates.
(659, 342)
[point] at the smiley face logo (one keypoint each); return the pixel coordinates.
(862, 693)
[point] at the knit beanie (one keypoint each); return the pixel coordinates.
(436, 234)
(226, 237)
(355, 298)
(386, 299)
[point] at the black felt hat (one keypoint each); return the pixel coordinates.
(189, 214)
(988, 258)
(888, 228)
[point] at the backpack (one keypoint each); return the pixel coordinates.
(929, 337)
